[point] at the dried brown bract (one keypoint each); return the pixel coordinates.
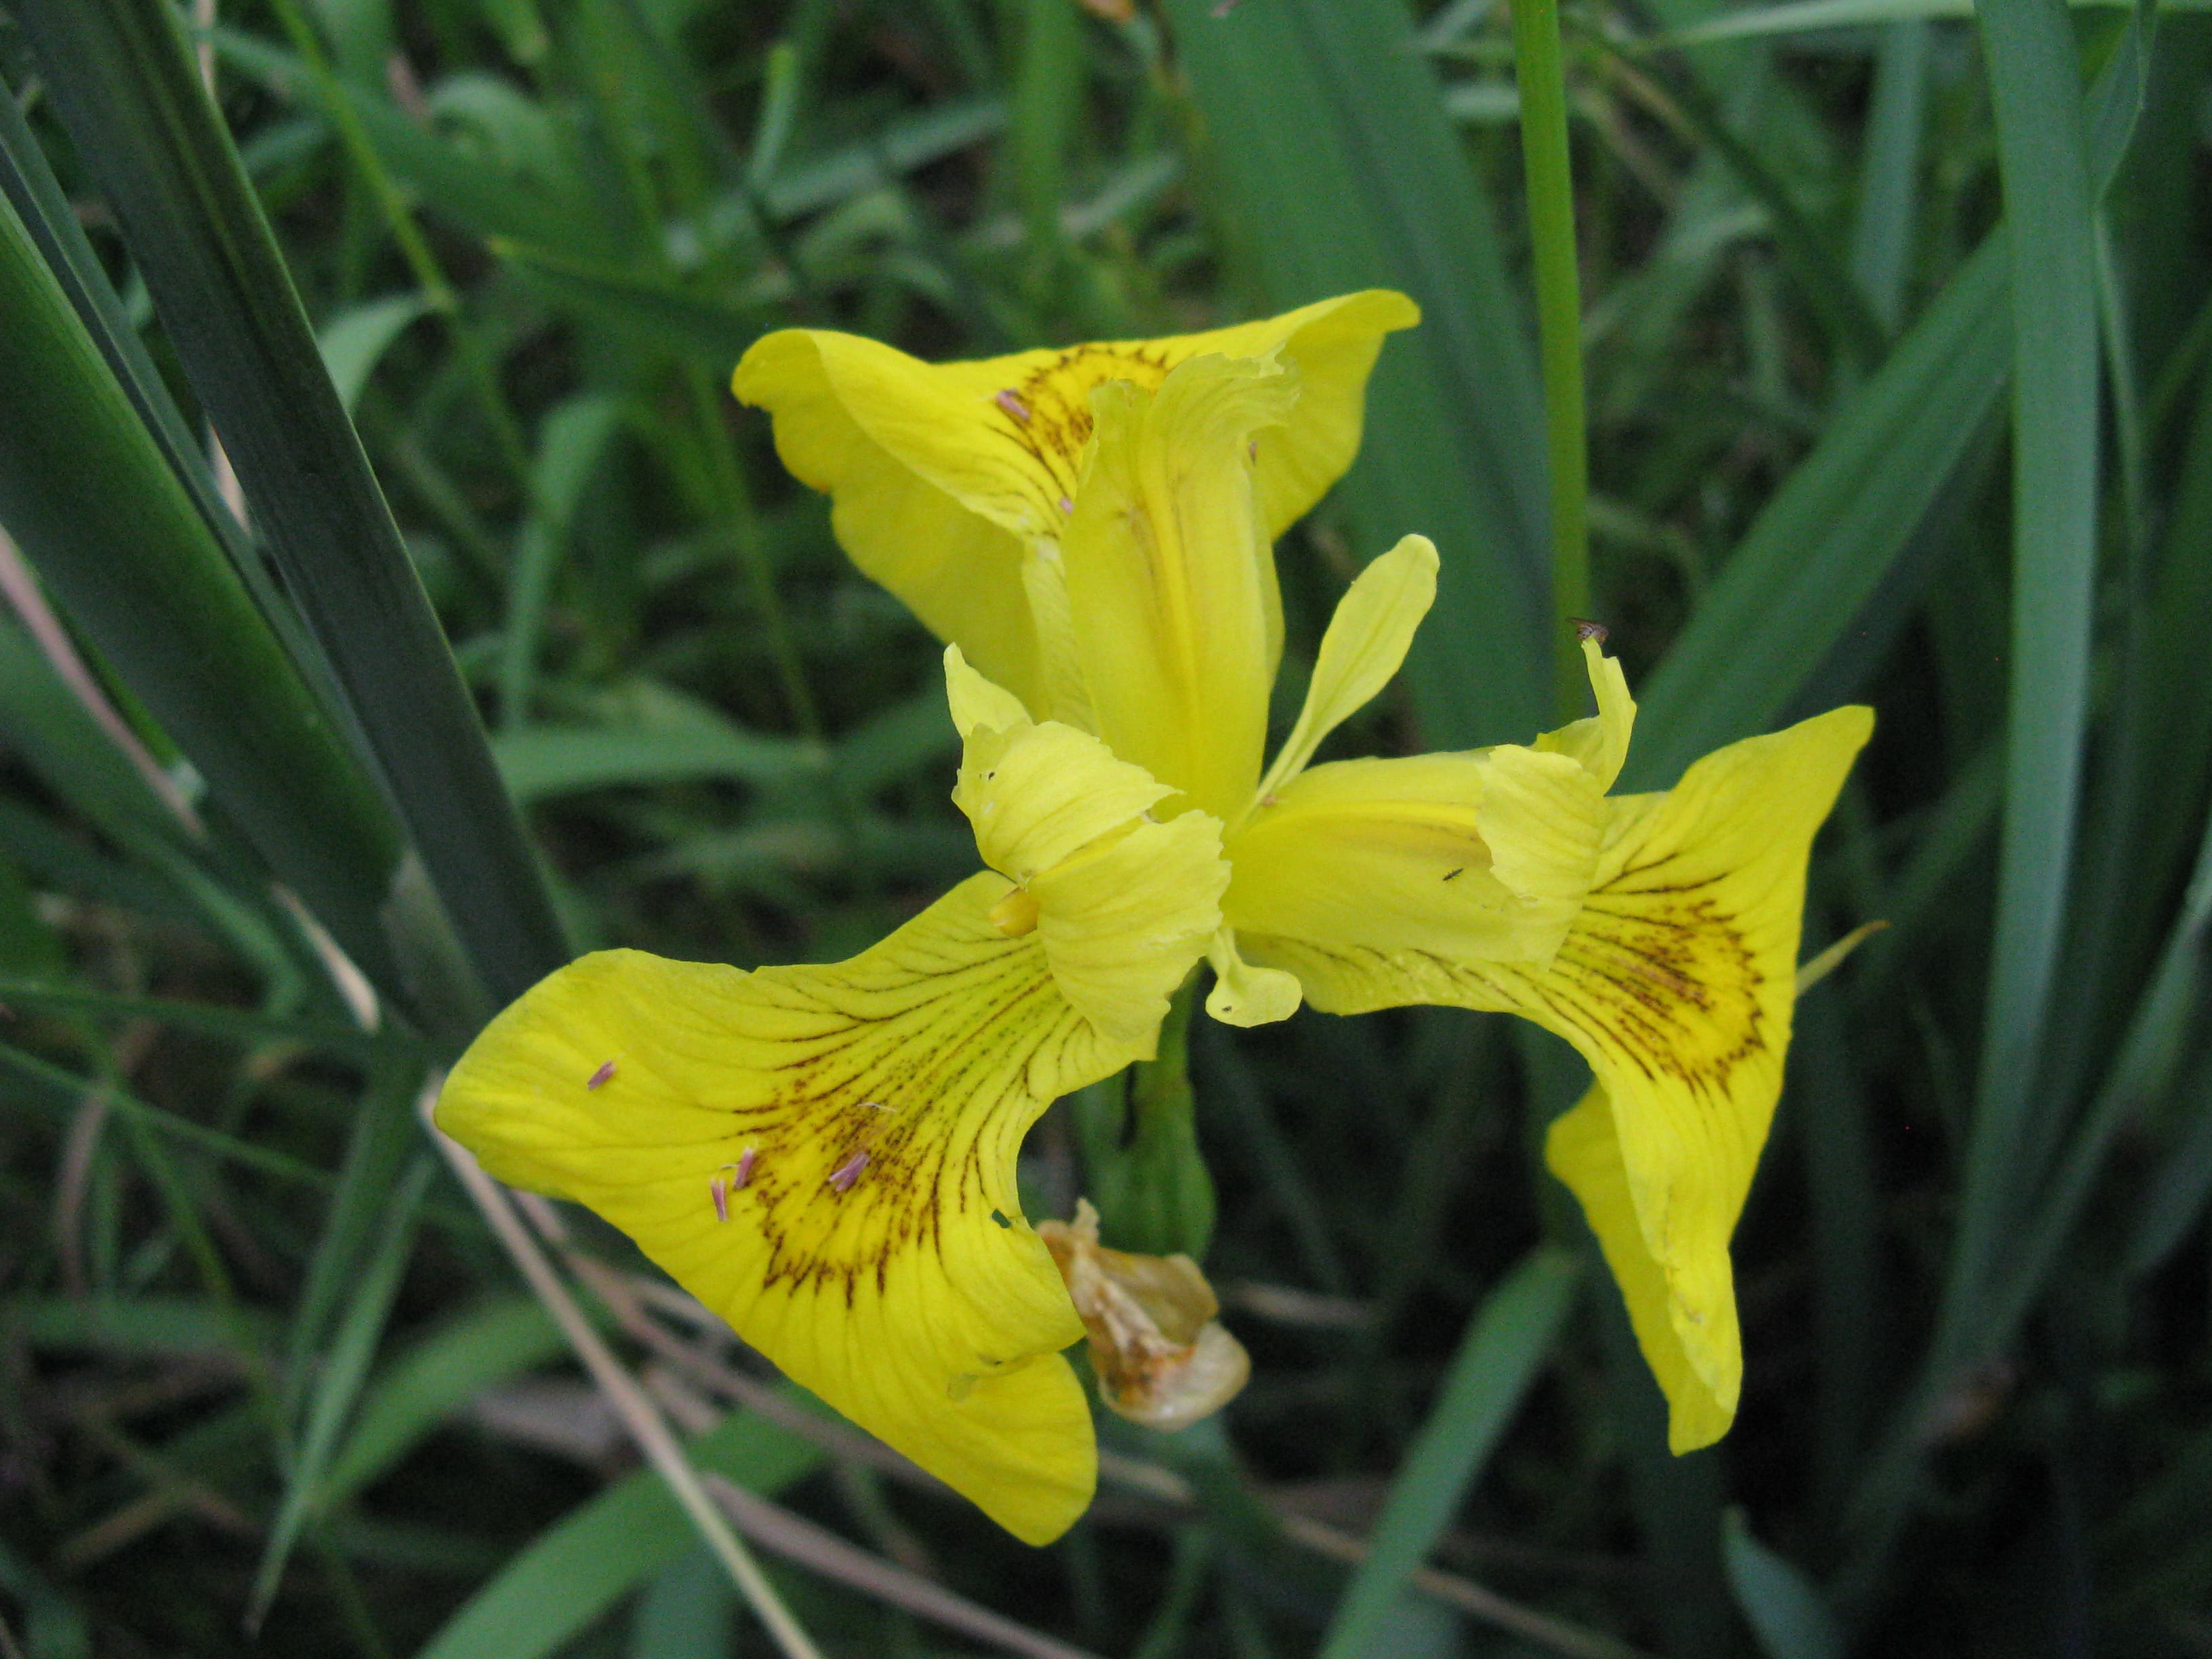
(1161, 1358)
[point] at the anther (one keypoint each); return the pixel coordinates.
(842, 1177)
(601, 1075)
(1587, 629)
(1067, 505)
(744, 1177)
(719, 1190)
(1013, 406)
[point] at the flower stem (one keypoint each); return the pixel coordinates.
(1141, 1159)
(1542, 73)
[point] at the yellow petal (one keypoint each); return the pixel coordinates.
(957, 569)
(857, 1125)
(1166, 563)
(941, 474)
(1332, 344)
(1122, 905)
(1039, 794)
(1243, 994)
(1123, 927)
(1676, 983)
(1698, 1366)
(1367, 640)
(1483, 856)
(977, 703)
(1600, 742)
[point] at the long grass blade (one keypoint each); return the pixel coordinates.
(1832, 534)
(126, 86)
(2035, 81)
(86, 489)
(1504, 1349)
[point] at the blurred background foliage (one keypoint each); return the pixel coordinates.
(1895, 329)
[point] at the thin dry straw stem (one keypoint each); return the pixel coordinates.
(638, 1413)
(777, 1529)
(625, 1297)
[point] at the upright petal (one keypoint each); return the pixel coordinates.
(1332, 344)
(1600, 743)
(1362, 648)
(1676, 983)
(945, 477)
(825, 1157)
(1166, 566)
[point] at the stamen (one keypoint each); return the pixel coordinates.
(1067, 505)
(719, 1190)
(1013, 406)
(842, 1177)
(601, 1075)
(744, 1168)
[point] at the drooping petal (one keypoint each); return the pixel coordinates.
(1166, 565)
(1482, 856)
(944, 476)
(825, 1157)
(1676, 983)
(1600, 743)
(1366, 642)
(1122, 904)
(1701, 1384)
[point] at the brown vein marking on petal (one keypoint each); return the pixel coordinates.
(1661, 977)
(1054, 401)
(869, 1142)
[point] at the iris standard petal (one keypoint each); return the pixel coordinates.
(1676, 983)
(1167, 568)
(825, 1157)
(1365, 644)
(1600, 743)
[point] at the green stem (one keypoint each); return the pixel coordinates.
(1139, 1133)
(1542, 73)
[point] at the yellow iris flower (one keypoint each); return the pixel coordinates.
(825, 1155)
